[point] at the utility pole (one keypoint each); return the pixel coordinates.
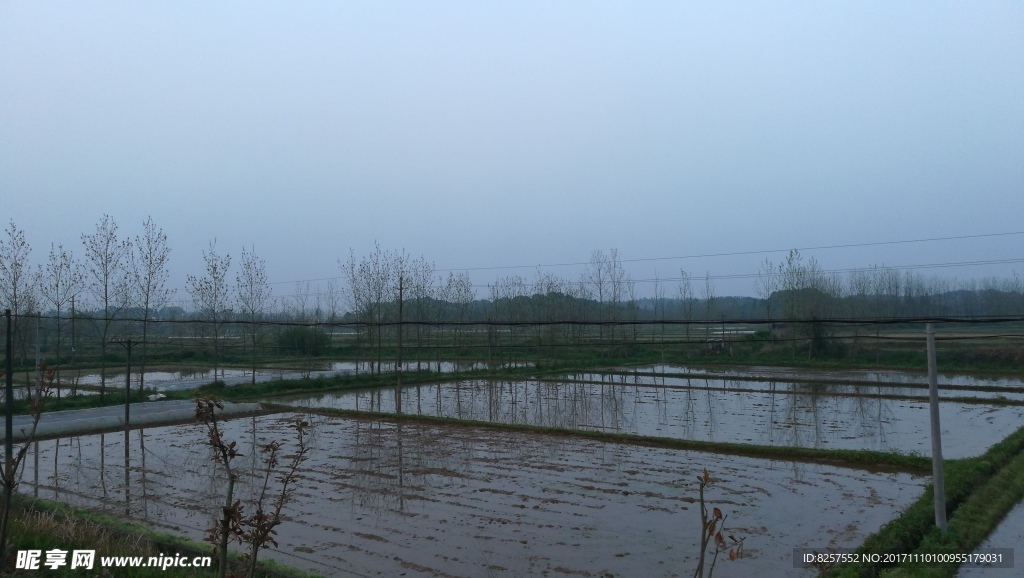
(127, 344)
(398, 365)
(8, 467)
(73, 330)
(9, 402)
(933, 402)
(722, 315)
(39, 377)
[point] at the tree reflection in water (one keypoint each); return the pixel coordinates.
(825, 414)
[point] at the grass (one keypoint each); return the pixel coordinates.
(973, 522)
(43, 525)
(979, 492)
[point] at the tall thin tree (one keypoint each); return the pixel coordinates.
(253, 292)
(106, 265)
(59, 280)
(211, 296)
(17, 286)
(150, 275)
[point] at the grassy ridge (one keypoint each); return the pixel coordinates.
(44, 525)
(973, 522)
(979, 492)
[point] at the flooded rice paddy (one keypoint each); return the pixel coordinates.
(830, 375)
(381, 498)
(378, 498)
(184, 378)
(823, 416)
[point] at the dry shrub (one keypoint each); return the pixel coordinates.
(65, 528)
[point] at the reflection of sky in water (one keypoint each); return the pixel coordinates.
(185, 379)
(826, 387)
(873, 375)
(381, 498)
(813, 417)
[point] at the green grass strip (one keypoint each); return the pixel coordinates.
(963, 479)
(972, 522)
(72, 528)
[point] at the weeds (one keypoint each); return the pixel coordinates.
(258, 529)
(712, 530)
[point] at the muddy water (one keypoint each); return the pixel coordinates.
(381, 499)
(801, 415)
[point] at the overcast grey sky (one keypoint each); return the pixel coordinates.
(481, 134)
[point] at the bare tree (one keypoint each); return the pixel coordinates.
(858, 294)
(609, 284)
(253, 292)
(631, 307)
(59, 280)
(373, 290)
(300, 309)
(659, 305)
(578, 295)
(17, 286)
(419, 277)
(618, 284)
(211, 296)
(766, 283)
(792, 275)
(550, 307)
(708, 293)
(508, 305)
(597, 280)
(106, 260)
(332, 301)
(149, 276)
(459, 292)
(686, 300)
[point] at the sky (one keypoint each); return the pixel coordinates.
(500, 134)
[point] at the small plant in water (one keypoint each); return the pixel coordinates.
(712, 530)
(258, 529)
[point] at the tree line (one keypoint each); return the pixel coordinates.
(119, 289)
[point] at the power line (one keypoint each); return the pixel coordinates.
(757, 275)
(863, 321)
(739, 253)
(700, 256)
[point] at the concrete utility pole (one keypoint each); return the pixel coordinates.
(933, 402)
(39, 376)
(127, 344)
(398, 365)
(73, 330)
(8, 400)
